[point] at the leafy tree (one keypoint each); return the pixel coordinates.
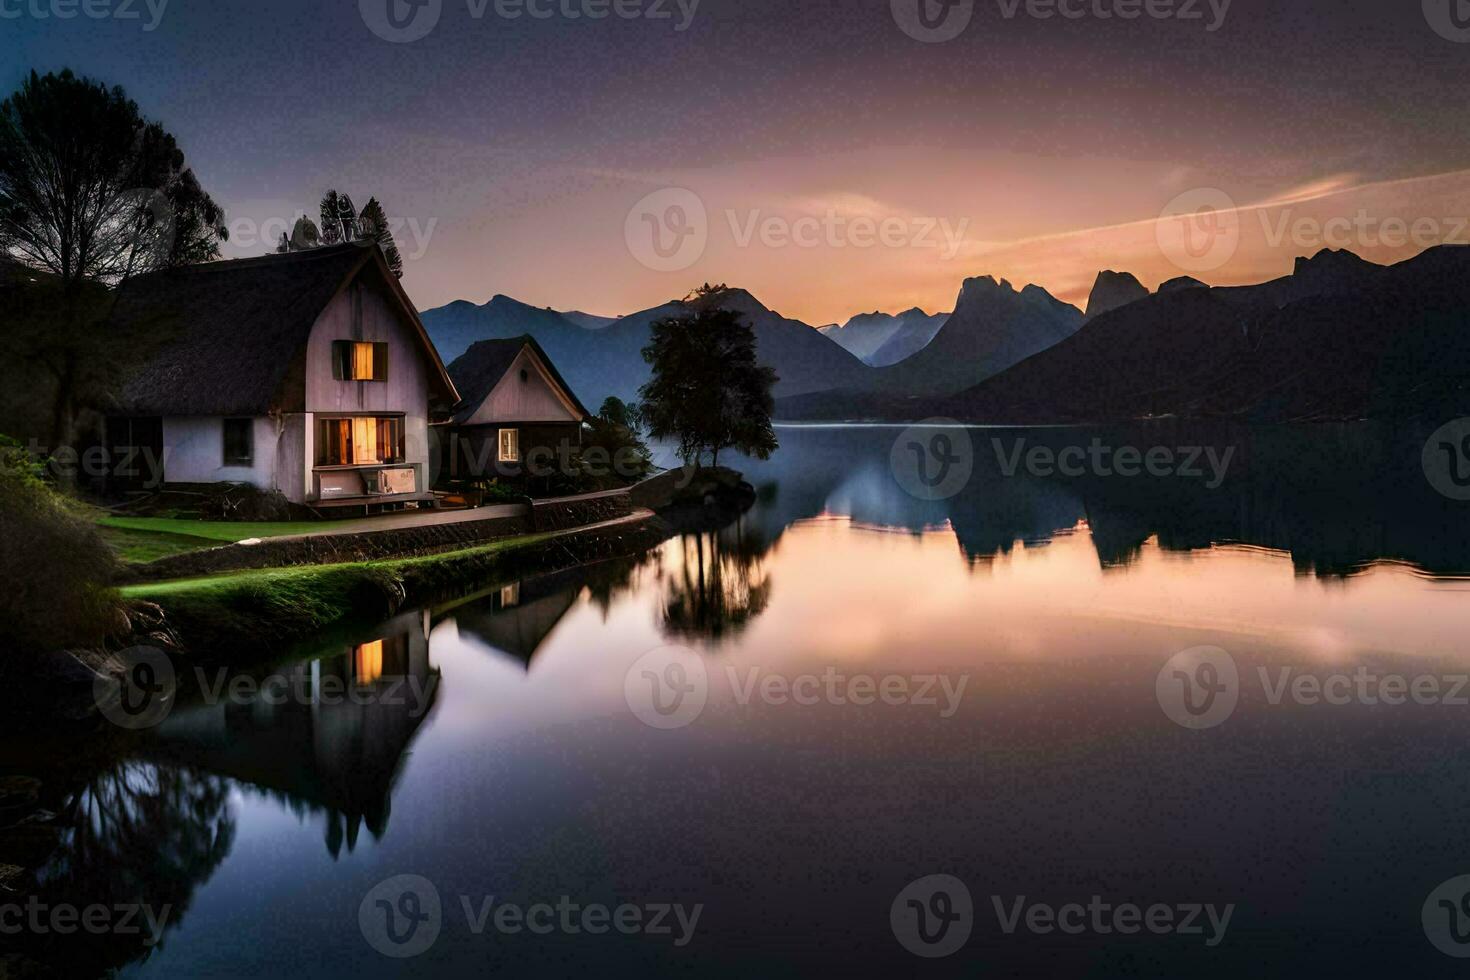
(629, 415)
(91, 193)
(708, 390)
(347, 219)
(617, 432)
(331, 216)
(340, 222)
(90, 190)
(373, 226)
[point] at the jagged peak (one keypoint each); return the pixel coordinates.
(987, 284)
(1330, 258)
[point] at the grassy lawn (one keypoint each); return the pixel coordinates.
(142, 539)
(220, 532)
(219, 614)
(144, 546)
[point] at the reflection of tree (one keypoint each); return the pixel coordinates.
(608, 580)
(718, 584)
(137, 834)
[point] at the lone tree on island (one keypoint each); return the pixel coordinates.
(708, 390)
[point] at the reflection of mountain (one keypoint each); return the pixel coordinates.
(336, 741)
(717, 586)
(131, 833)
(1337, 498)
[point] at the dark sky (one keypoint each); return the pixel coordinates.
(518, 146)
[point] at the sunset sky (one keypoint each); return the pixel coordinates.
(514, 150)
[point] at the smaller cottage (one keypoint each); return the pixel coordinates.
(517, 419)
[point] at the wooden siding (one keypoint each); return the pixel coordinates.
(536, 399)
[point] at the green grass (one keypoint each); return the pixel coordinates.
(227, 532)
(145, 539)
(220, 615)
(143, 546)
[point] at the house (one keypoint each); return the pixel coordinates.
(306, 373)
(337, 746)
(518, 417)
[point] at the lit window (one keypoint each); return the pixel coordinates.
(361, 441)
(510, 595)
(365, 441)
(510, 445)
(360, 361)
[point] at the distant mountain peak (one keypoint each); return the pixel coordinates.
(1113, 290)
(1182, 282)
(1330, 260)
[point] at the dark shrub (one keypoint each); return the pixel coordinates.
(54, 566)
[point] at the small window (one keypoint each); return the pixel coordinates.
(510, 445)
(239, 442)
(359, 361)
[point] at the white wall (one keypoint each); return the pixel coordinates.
(194, 452)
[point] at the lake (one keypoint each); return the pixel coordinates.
(1149, 700)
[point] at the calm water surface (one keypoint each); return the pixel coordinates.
(1024, 744)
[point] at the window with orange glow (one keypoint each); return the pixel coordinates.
(367, 662)
(362, 362)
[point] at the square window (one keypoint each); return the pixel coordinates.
(359, 360)
(239, 442)
(510, 445)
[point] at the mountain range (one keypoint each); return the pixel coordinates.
(881, 339)
(600, 361)
(1339, 339)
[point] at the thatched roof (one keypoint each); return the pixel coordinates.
(478, 370)
(223, 338)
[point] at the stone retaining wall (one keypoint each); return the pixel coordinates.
(558, 515)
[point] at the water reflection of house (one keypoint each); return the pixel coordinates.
(335, 741)
(516, 618)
